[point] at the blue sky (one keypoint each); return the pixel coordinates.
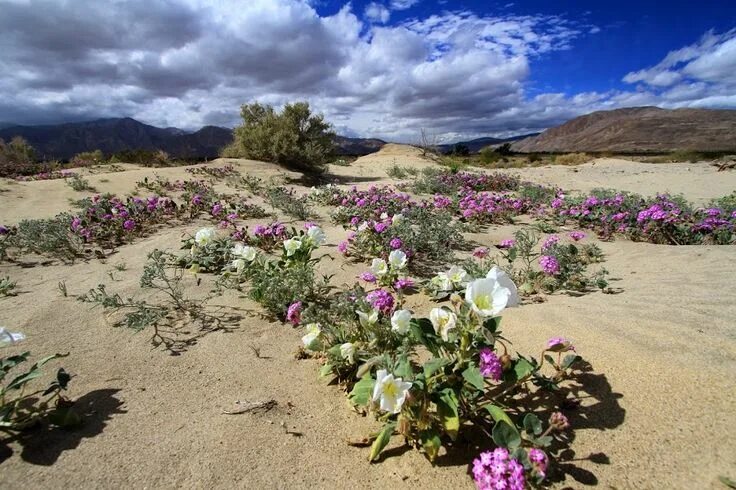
(385, 68)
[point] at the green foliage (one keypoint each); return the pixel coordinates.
(488, 155)
(7, 287)
(79, 184)
(21, 407)
(88, 158)
(294, 138)
(51, 237)
(288, 202)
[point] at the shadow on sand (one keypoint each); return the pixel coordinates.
(43, 444)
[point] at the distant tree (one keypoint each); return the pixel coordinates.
(504, 149)
(294, 138)
(488, 155)
(460, 150)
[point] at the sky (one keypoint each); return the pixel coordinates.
(383, 68)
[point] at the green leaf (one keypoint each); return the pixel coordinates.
(326, 370)
(473, 377)
(431, 443)
(532, 424)
(403, 369)
(569, 360)
(492, 324)
(523, 368)
(498, 414)
(506, 435)
(550, 359)
(33, 373)
(447, 409)
(381, 441)
(433, 365)
(361, 392)
(727, 481)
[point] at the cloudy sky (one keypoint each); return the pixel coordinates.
(381, 68)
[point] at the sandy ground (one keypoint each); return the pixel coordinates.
(658, 409)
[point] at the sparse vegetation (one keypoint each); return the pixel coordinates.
(79, 184)
(17, 157)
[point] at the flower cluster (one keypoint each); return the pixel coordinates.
(50, 175)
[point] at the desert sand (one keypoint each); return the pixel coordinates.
(658, 413)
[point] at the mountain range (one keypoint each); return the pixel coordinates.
(475, 145)
(639, 129)
(63, 141)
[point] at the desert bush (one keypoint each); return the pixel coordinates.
(17, 157)
(147, 158)
(533, 158)
(87, 158)
(51, 237)
(488, 156)
(572, 159)
(208, 252)
(396, 172)
(79, 184)
(288, 202)
(215, 172)
(294, 138)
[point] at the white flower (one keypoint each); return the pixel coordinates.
(314, 330)
(316, 235)
(292, 245)
(363, 226)
(244, 252)
(457, 275)
(487, 297)
(443, 321)
(238, 265)
(204, 236)
(397, 218)
(505, 281)
(390, 391)
(379, 267)
(367, 319)
(442, 282)
(384, 216)
(397, 259)
(347, 352)
(400, 321)
(7, 337)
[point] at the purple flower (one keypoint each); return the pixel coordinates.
(559, 421)
(294, 313)
(490, 364)
(496, 470)
(381, 300)
(129, 224)
(539, 461)
(403, 283)
(309, 225)
(549, 265)
(481, 252)
(4, 230)
(367, 277)
(559, 344)
(355, 221)
(380, 227)
(76, 223)
(395, 243)
(508, 243)
(216, 209)
(342, 247)
(577, 235)
(550, 241)
(197, 200)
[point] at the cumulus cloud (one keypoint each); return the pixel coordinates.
(187, 63)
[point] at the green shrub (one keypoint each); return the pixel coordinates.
(88, 158)
(17, 157)
(572, 159)
(294, 138)
(488, 156)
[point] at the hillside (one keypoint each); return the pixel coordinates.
(63, 141)
(475, 145)
(639, 129)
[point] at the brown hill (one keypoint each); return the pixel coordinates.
(639, 129)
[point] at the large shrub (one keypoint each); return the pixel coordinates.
(294, 137)
(16, 157)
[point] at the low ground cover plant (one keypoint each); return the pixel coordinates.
(79, 183)
(7, 286)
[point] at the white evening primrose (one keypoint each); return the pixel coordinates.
(244, 252)
(443, 321)
(363, 226)
(397, 218)
(457, 275)
(505, 281)
(347, 352)
(487, 297)
(316, 235)
(397, 259)
(389, 392)
(384, 216)
(292, 245)
(379, 267)
(204, 236)
(8, 337)
(314, 330)
(400, 321)
(367, 319)
(442, 282)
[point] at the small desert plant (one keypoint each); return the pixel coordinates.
(572, 159)
(7, 287)
(294, 138)
(286, 201)
(79, 184)
(52, 237)
(489, 156)
(396, 172)
(87, 158)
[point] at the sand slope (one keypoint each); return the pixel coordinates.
(658, 411)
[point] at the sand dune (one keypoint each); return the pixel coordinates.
(659, 412)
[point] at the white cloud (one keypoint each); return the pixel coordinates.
(375, 12)
(402, 4)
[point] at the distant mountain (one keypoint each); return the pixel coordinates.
(63, 141)
(475, 145)
(357, 146)
(639, 129)
(4, 125)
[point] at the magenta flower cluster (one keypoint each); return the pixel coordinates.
(50, 175)
(487, 207)
(381, 300)
(490, 364)
(496, 470)
(293, 313)
(549, 265)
